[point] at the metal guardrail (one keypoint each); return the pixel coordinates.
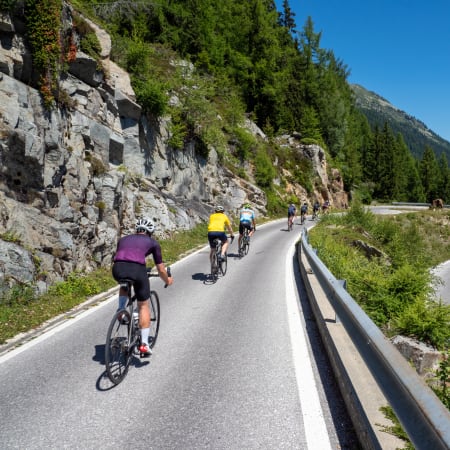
(420, 412)
(414, 204)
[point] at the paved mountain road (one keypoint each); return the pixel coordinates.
(231, 369)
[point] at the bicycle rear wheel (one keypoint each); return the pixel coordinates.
(246, 247)
(117, 348)
(155, 318)
(214, 267)
(223, 265)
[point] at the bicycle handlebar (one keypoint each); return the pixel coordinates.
(151, 274)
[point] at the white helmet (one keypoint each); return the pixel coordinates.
(219, 208)
(145, 224)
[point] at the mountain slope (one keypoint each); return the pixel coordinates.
(415, 133)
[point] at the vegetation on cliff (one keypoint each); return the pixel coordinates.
(247, 58)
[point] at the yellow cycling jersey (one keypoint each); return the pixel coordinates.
(218, 222)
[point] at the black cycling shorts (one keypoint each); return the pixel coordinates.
(136, 272)
(216, 235)
(243, 225)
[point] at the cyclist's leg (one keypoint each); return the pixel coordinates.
(225, 243)
(144, 314)
(142, 291)
(241, 232)
(212, 250)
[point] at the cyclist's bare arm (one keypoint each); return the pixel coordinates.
(168, 280)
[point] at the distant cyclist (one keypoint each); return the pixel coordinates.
(218, 223)
(129, 262)
(303, 212)
(316, 208)
(246, 220)
(292, 210)
(325, 206)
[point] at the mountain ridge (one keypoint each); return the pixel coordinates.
(416, 134)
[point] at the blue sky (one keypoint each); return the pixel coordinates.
(399, 49)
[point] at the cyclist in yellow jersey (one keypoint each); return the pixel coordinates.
(218, 223)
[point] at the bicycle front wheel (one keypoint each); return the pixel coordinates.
(117, 348)
(154, 318)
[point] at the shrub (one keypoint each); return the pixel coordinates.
(264, 170)
(151, 95)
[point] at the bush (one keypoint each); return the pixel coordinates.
(395, 291)
(151, 96)
(264, 170)
(426, 321)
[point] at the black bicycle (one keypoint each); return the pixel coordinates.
(315, 214)
(244, 246)
(302, 218)
(218, 264)
(124, 338)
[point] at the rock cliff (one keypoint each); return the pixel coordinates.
(75, 177)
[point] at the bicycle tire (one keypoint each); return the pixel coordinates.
(246, 247)
(223, 266)
(214, 266)
(155, 317)
(118, 352)
(241, 248)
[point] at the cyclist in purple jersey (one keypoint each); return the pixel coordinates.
(130, 262)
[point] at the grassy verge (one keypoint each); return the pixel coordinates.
(386, 261)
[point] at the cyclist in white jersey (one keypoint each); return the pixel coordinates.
(246, 220)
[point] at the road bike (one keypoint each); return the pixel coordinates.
(124, 337)
(244, 246)
(218, 264)
(290, 222)
(302, 218)
(315, 214)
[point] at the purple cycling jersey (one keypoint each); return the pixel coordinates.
(136, 247)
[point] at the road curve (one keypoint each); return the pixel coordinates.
(442, 271)
(238, 364)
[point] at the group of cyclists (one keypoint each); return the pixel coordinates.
(219, 222)
(130, 261)
(292, 211)
(132, 251)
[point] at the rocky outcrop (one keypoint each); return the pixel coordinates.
(73, 178)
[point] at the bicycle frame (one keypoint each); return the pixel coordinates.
(245, 243)
(217, 264)
(124, 337)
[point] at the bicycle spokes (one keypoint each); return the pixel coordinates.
(118, 349)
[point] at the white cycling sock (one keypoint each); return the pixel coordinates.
(144, 335)
(122, 301)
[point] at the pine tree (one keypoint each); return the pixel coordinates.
(444, 185)
(429, 174)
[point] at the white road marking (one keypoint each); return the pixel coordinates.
(315, 428)
(53, 330)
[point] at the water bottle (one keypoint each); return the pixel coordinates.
(136, 318)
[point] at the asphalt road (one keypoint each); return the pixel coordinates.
(238, 365)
